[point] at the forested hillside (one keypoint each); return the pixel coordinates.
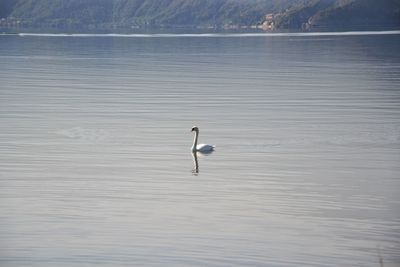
(359, 15)
(139, 13)
(128, 14)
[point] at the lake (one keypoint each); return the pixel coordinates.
(96, 167)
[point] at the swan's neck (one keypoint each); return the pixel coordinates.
(196, 136)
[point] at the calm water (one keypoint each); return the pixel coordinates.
(95, 162)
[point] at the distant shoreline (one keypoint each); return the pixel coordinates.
(189, 16)
(191, 30)
(220, 34)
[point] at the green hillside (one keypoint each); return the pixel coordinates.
(138, 13)
(359, 14)
(128, 14)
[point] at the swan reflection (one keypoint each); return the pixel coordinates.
(195, 163)
(196, 160)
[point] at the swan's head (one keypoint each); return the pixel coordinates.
(195, 129)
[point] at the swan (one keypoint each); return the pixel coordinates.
(202, 148)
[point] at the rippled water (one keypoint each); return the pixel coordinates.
(95, 162)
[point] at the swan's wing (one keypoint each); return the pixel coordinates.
(205, 147)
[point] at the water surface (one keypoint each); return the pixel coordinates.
(95, 162)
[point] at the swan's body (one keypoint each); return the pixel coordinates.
(203, 148)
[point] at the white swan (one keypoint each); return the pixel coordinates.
(202, 148)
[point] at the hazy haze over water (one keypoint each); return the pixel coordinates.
(95, 162)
